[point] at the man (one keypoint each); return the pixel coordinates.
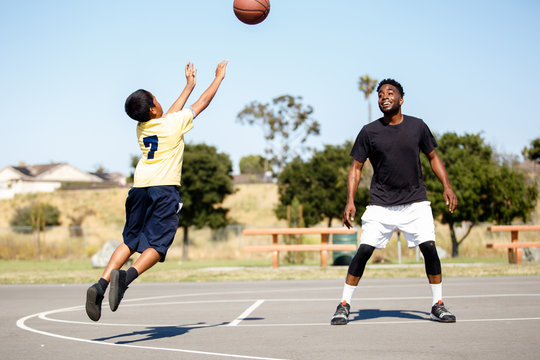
(398, 199)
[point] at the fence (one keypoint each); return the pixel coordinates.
(64, 242)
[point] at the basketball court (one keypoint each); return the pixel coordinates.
(498, 318)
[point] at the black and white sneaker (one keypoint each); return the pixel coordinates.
(341, 316)
(118, 288)
(439, 312)
(94, 297)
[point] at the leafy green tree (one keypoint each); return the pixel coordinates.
(35, 217)
(513, 195)
(286, 124)
(320, 185)
(487, 191)
(252, 164)
(367, 86)
(206, 181)
(533, 153)
(133, 161)
(100, 169)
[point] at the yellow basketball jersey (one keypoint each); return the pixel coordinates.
(162, 144)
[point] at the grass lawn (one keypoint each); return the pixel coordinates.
(81, 271)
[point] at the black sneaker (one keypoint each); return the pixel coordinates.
(439, 312)
(118, 288)
(341, 316)
(94, 297)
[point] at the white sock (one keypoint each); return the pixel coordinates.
(436, 292)
(348, 292)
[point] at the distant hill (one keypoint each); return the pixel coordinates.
(251, 204)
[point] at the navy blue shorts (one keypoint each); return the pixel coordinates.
(152, 215)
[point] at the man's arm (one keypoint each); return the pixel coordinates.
(191, 74)
(353, 179)
(209, 93)
(438, 168)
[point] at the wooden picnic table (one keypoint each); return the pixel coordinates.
(515, 252)
(275, 247)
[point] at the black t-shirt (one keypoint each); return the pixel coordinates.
(394, 152)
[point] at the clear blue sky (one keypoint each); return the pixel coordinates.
(67, 66)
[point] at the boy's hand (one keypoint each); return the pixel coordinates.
(191, 74)
(220, 71)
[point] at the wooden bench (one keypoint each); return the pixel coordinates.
(515, 253)
(275, 248)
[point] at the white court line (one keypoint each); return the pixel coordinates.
(363, 322)
(246, 313)
(258, 302)
(325, 288)
(21, 324)
(357, 299)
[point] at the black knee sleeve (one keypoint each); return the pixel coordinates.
(358, 263)
(431, 258)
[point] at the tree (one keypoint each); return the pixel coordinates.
(286, 125)
(100, 169)
(206, 181)
(533, 153)
(252, 164)
(320, 185)
(487, 190)
(35, 216)
(367, 86)
(77, 217)
(133, 161)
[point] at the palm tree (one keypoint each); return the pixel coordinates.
(367, 85)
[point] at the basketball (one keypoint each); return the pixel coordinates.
(251, 12)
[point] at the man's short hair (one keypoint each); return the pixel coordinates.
(138, 105)
(392, 82)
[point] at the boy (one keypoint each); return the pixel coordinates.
(153, 204)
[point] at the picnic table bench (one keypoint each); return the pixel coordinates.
(275, 247)
(515, 253)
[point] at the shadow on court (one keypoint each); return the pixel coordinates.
(367, 314)
(158, 332)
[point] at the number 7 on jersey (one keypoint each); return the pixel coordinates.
(152, 142)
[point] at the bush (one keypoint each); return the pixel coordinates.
(35, 217)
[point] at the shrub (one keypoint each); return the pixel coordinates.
(35, 217)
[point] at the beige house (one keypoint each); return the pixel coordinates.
(41, 178)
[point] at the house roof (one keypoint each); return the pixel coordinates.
(52, 172)
(35, 170)
(113, 176)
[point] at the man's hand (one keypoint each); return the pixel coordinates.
(348, 215)
(191, 74)
(450, 198)
(220, 71)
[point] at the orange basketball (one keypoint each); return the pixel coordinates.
(251, 11)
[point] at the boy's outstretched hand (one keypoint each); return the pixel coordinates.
(191, 74)
(220, 71)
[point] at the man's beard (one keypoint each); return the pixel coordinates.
(390, 112)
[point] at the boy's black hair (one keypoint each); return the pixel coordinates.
(138, 105)
(393, 83)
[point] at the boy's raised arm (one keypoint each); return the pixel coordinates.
(209, 93)
(191, 74)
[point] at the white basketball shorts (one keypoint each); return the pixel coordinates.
(414, 220)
